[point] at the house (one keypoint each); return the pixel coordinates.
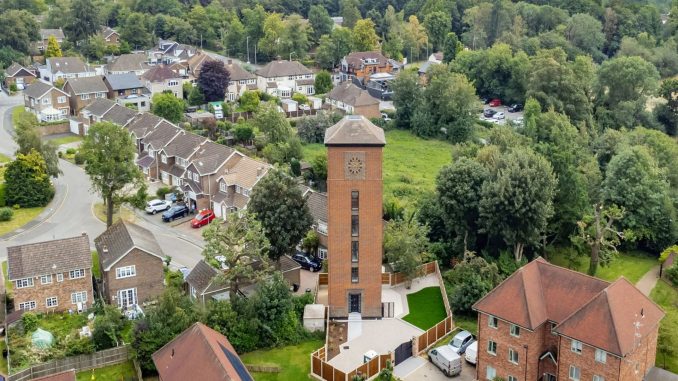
(136, 63)
(194, 65)
(19, 76)
(153, 142)
(100, 110)
(199, 183)
(46, 102)
(51, 276)
(68, 375)
(234, 187)
(128, 91)
(379, 85)
(436, 58)
(64, 68)
(425, 67)
(176, 155)
(168, 52)
(84, 91)
(110, 36)
(361, 65)
(204, 285)
(199, 353)
(140, 126)
(41, 45)
(317, 205)
(160, 79)
(547, 322)
(131, 263)
(282, 78)
(351, 99)
(241, 81)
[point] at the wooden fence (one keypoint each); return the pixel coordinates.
(443, 290)
(322, 370)
(79, 363)
(435, 333)
(233, 117)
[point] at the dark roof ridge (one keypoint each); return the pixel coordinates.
(527, 302)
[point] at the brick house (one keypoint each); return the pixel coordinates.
(317, 205)
(160, 79)
(131, 263)
(361, 65)
(136, 63)
(241, 80)
(110, 36)
(64, 68)
(153, 142)
(41, 45)
(548, 323)
(199, 183)
(142, 125)
(84, 91)
(203, 283)
(127, 89)
(51, 276)
(282, 78)
(351, 99)
(176, 155)
(199, 353)
(234, 187)
(18, 75)
(46, 102)
(100, 110)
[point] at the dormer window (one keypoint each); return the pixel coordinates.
(222, 186)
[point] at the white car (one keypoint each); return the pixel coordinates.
(305, 107)
(155, 206)
(385, 117)
(471, 354)
(499, 115)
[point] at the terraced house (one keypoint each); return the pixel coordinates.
(51, 276)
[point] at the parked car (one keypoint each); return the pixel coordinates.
(177, 211)
(461, 341)
(488, 113)
(496, 102)
(203, 218)
(515, 107)
(155, 206)
(307, 262)
(446, 359)
(471, 354)
(385, 117)
(304, 107)
(499, 115)
(519, 122)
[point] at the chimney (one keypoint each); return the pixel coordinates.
(84, 234)
(260, 171)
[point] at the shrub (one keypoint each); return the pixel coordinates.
(13, 88)
(672, 274)
(16, 206)
(6, 214)
(29, 321)
(70, 151)
(2, 196)
(162, 191)
(60, 154)
(79, 158)
(79, 346)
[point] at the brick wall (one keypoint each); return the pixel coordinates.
(149, 280)
(62, 290)
(636, 365)
(586, 361)
(371, 111)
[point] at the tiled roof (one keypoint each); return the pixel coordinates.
(123, 81)
(352, 95)
(161, 135)
(305, 82)
(68, 375)
(184, 145)
(159, 74)
(246, 172)
(107, 31)
(15, 68)
(286, 264)
(122, 237)
(87, 85)
(37, 89)
(143, 124)
(282, 68)
(190, 185)
(210, 157)
(48, 257)
(317, 205)
(238, 73)
(200, 353)
(355, 130)
(355, 59)
(119, 115)
(66, 65)
(145, 161)
(57, 33)
(201, 275)
(129, 63)
(99, 106)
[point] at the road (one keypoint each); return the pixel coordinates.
(72, 208)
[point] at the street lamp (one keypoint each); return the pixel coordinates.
(248, 49)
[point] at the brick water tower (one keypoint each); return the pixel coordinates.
(354, 190)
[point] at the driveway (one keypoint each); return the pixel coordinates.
(428, 371)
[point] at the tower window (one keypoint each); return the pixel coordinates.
(354, 275)
(355, 200)
(355, 227)
(354, 251)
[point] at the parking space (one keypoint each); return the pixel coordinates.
(428, 371)
(502, 118)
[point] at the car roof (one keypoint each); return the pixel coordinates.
(462, 335)
(447, 352)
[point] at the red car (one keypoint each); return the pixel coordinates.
(496, 102)
(203, 218)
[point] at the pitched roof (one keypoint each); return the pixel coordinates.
(159, 74)
(201, 276)
(107, 31)
(143, 123)
(237, 72)
(68, 375)
(355, 59)
(87, 85)
(38, 88)
(614, 320)
(57, 33)
(210, 157)
(123, 81)
(282, 68)
(15, 68)
(48, 257)
(352, 95)
(286, 264)
(184, 145)
(119, 115)
(196, 61)
(355, 130)
(122, 237)
(317, 205)
(659, 374)
(162, 134)
(200, 353)
(99, 106)
(246, 172)
(66, 65)
(129, 62)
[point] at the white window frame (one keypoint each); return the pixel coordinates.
(127, 297)
(46, 101)
(24, 283)
(490, 373)
(61, 99)
(52, 302)
(31, 305)
(163, 158)
(512, 378)
(492, 347)
(125, 272)
(513, 356)
(100, 95)
(598, 378)
(46, 279)
(222, 186)
(492, 322)
(601, 356)
(76, 274)
(182, 162)
(322, 253)
(196, 177)
(515, 330)
(246, 192)
(322, 227)
(60, 277)
(575, 373)
(84, 97)
(78, 297)
(576, 346)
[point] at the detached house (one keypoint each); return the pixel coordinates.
(176, 155)
(136, 63)
(127, 89)
(64, 68)
(131, 263)
(361, 65)
(46, 102)
(194, 65)
(19, 76)
(168, 52)
(239, 176)
(110, 36)
(241, 81)
(351, 99)
(160, 79)
(51, 276)
(58, 34)
(84, 91)
(282, 78)
(204, 285)
(548, 323)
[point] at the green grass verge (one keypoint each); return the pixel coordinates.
(466, 322)
(95, 264)
(3, 360)
(17, 111)
(667, 297)
(124, 371)
(66, 139)
(293, 360)
(632, 265)
(426, 308)
(4, 158)
(20, 218)
(8, 284)
(100, 213)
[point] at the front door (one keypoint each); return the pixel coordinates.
(549, 377)
(127, 297)
(353, 303)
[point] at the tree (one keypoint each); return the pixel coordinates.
(295, 36)
(319, 167)
(471, 279)
(272, 123)
(166, 105)
(82, 20)
(323, 82)
(108, 327)
(53, 49)
(406, 96)
(95, 47)
(669, 91)
(311, 129)
(405, 243)
(320, 21)
(249, 101)
(625, 79)
(109, 162)
(274, 311)
(517, 199)
(451, 47)
(135, 31)
(364, 37)
(27, 183)
(278, 204)
(195, 97)
(213, 80)
(272, 43)
(585, 33)
(438, 26)
(240, 245)
(17, 30)
(28, 138)
(350, 13)
(598, 232)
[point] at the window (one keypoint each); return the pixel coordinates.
(322, 253)
(354, 275)
(492, 321)
(100, 95)
(27, 306)
(127, 297)
(511, 378)
(193, 292)
(355, 200)
(492, 347)
(490, 373)
(84, 97)
(322, 227)
(515, 330)
(601, 356)
(125, 272)
(354, 251)
(355, 227)
(246, 192)
(222, 186)
(598, 378)
(173, 83)
(237, 189)
(23, 283)
(190, 174)
(513, 356)
(60, 277)
(51, 302)
(182, 162)
(61, 99)
(46, 279)
(134, 91)
(575, 373)
(196, 177)
(46, 101)
(576, 346)
(75, 274)
(79, 297)
(163, 158)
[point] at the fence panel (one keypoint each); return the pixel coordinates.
(323, 279)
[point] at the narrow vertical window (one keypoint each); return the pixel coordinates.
(354, 251)
(355, 227)
(355, 200)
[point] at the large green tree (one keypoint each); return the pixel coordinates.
(364, 36)
(405, 244)
(27, 183)
(83, 20)
(28, 138)
(272, 123)
(406, 95)
(320, 21)
(437, 25)
(53, 49)
(17, 30)
(168, 106)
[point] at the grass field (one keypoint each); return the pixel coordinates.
(667, 298)
(4, 158)
(631, 265)
(8, 284)
(20, 218)
(100, 213)
(426, 308)
(294, 361)
(469, 323)
(411, 164)
(66, 139)
(124, 371)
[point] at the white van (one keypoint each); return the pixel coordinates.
(445, 358)
(471, 353)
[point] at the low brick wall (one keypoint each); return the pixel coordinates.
(52, 129)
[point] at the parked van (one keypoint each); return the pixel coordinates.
(445, 358)
(471, 354)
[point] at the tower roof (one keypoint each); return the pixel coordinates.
(355, 130)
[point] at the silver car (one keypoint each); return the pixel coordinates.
(461, 341)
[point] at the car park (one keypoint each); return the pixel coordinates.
(488, 113)
(307, 262)
(155, 206)
(471, 354)
(496, 102)
(203, 218)
(446, 359)
(499, 115)
(177, 211)
(461, 341)
(515, 107)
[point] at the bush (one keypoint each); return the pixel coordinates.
(6, 214)
(79, 158)
(2, 196)
(16, 206)
(79, 346)
(162, 191)
(70, 151)
(29, 321)
(672, 274)
(13, 88)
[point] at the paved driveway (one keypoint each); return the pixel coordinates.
(428, 371)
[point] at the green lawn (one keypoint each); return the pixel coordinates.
(21, 217)
(66, 139)
(3, 360)
(294, 361)
(667, 298)
(124, 371)
(16, 112)
(95, 264)
(426, 308)
(411, 164)
(100, 213)
(468, 323)
(4, 158)
(632, 265)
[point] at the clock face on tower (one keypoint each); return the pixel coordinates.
(354, 165)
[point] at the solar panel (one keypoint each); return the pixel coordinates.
(237, 364)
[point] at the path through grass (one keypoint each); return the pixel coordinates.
(426, 308)
(293, 360)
